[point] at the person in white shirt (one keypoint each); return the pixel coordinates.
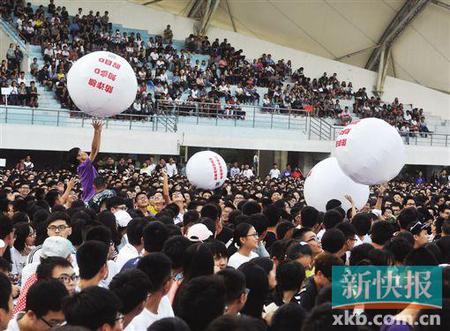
(158, 267)
(135, 245)
(28, 164)
(246, 238)
(171, 168)
(235, 171)
(275, 172)
(248, 172)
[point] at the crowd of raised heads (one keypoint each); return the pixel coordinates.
(144, 250)
(224, 78)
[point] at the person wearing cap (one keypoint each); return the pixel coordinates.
(52, 246)
(198, 233)
(419, 231)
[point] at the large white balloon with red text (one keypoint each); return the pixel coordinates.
(370, 151)
(102, 84)
(206, 170)
(326, 181)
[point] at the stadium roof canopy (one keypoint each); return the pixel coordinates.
(417, 32)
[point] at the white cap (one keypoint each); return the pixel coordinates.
(56, 246)
(198, 232)
(122, 218)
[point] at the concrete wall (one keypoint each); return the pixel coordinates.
(4, 44)
(36, 137)
(141, 17)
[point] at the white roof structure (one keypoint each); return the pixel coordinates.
(349, 31)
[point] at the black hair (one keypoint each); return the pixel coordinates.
(421, 256)
(332, 218)
(198, 260)
(237, 323)
(217, 248)
(324, 263)
(190, 217)
(445, 227)
(91, 257)
(44, 296)
(290, 276)
(76, 237)
(360, 253)
(99, 182)
(100, 233)
(288, 317)
(408, 236)
(241, 231)
(258, 284)
(324, 295)
(5, 292)
(251, 207)
(333, 240)
(211, 211)
(22, 232)
(310, 217)
(273, 215)
(72, 157)
(155, 234)
(131, 287)
(169, 324)
(205, 294)
(114, 202)
(399, 248)
(174, 248)
(5, 265)
(57, 216)
(333, 203)
(47, 265)
(51, 197)
(381, 232)
(20, 217)
(6, 228)
(234, 282)
(158, 267)
(321, 318)
(297, 249)
(282, 228)
(135, 231)
(259, 222)
(347, 229)
(362, 223)
(406, 217)
(92, 308)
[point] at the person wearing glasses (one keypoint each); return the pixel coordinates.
(43, 309)
(246, 238)
(58, 224)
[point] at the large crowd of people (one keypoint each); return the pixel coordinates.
(139, 248)
(224, 80)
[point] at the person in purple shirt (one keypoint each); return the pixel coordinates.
(84, 162)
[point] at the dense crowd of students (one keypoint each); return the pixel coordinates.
(141, 249)
(225, 80)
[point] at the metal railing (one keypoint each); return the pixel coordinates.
(242, 115)
(415, 139)
(14, 35)
(170, 116)
(77, 119)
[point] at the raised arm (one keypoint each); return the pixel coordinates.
(70, 185)
(95, 148)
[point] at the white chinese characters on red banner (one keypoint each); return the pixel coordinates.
(102, 84)
(206, 170)
(370, 151)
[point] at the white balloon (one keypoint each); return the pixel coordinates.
(370, 151)
(206, 170)
(102, 84)
(326, 181)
